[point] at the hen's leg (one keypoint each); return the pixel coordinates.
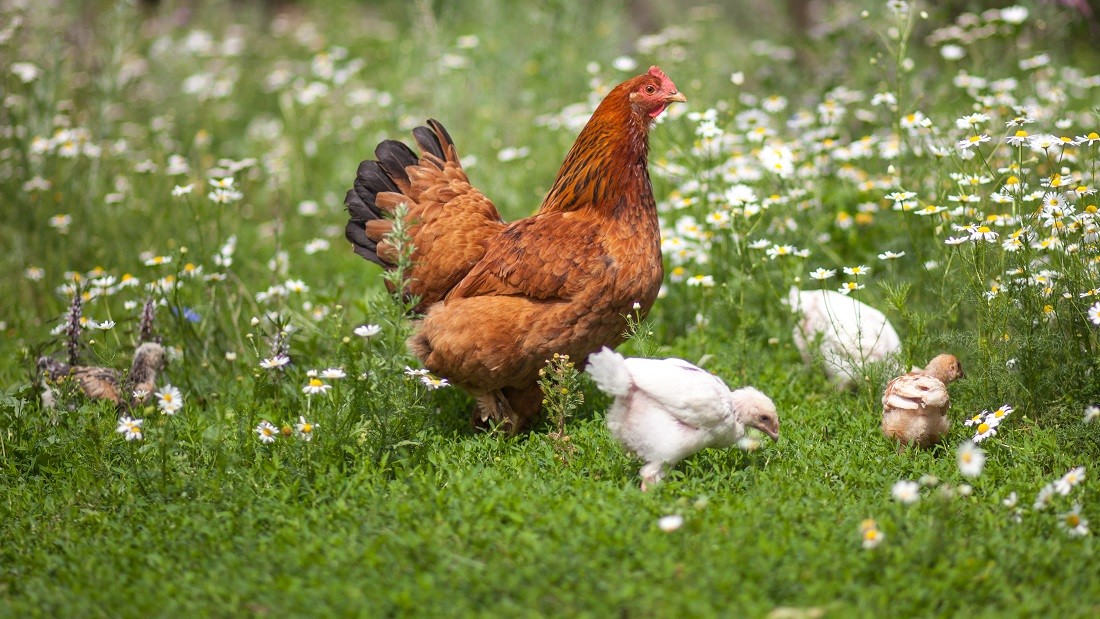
(492, 407)
(651, 473)
(525, 404)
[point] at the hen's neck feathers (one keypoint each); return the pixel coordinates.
(607, 168)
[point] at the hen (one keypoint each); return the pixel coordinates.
(851, 333)
(667, 409)
(914, 406)
(500, 299)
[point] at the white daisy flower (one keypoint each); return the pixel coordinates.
(169, 400)
(275, 362)
(314, 386)
(305, 429)
(971, 459)
(905, 491)
(368, 331)
(130, 428)
(266, 432)
(670, 523)
(1075, 476)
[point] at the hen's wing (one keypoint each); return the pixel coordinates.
(689, 393)
(917, 393)
(449, 220)
(554, 255)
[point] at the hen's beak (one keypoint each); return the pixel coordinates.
(773, 433)
(677, 96)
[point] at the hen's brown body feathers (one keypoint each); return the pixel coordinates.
(500, 299)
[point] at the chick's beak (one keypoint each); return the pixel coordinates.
(773, 433)
(676, 96)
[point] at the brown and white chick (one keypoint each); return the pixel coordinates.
(149, 360)
(667, 409)
(914, 405)
(99, 383)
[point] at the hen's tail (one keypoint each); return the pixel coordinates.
(368, 225)
(608, 369)
(449, 222)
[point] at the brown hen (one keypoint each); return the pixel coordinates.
(500, 299)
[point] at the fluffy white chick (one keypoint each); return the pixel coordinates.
(851, 333)
(667, 409)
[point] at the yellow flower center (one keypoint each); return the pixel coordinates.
(167, 397)
(1046, 309)
(315, 382)
(1073, 520)
(975, 138)
(983, 230)
(307, 428)
(1021, 133)
(1093, 136)
(983, 428)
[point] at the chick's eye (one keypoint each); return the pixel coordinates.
(650, 90)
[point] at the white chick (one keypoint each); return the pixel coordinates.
(914, 405)
(851, 333)
(667, 409)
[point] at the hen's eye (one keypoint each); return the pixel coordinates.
(650, 90)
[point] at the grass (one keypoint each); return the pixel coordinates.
(395, 507)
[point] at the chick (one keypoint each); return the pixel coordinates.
(914, 405)
(851, 334)
(667, 409)
(99, 383)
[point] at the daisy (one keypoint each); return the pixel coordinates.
(748, 443)
(984, 431)
(368, 331)
(857, 270)
(266, 432)
(890, 255)
(182, 190)
(130, 427)
(1073, 522)
(821, 274)
(971, 459)
(848, 287)
(870, 533)
(315, 386)
(1044, 497)
(670, 523)
(275, 362)
(169, 400)
(1094, 313)
(1091, 413)
(972, 141)
(305, 429)
(1075, 476)
(1011, 500)
(433, 383)
(158, 260)
(333, 373)
(976, 419)
(906, 491)
(1001, 413)
(416, 373)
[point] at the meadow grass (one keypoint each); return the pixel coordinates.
(194, 159)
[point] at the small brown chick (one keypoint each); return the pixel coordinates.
(149, 360)
(99, 383)
(914, 405)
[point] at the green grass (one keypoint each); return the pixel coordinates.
(396, 507)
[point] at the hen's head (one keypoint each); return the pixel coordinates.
(651, 93)
(756, 410)
(946, 368)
